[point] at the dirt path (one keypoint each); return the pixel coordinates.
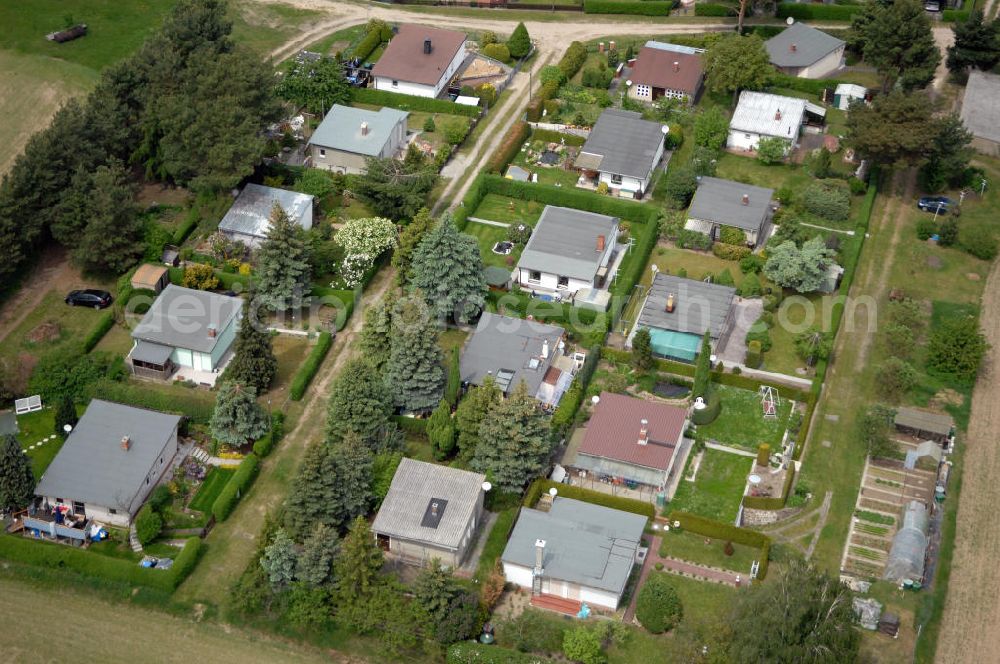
(233, 543)
(970, 628)
(53, 270)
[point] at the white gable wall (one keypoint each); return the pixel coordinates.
(419, 89)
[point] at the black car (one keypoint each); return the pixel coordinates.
(97, 299)
(935, 204)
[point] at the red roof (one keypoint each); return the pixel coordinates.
(404, 58)
(614, 430)
(655, 67)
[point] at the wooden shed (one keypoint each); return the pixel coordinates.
(925, 424)
(151, 277)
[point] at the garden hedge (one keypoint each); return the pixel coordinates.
(568, 406)
(772, 502)
(187, 227)
(102, 327)
(711, 411)
(411, 424)
(534, 109)
(630, 7)
(368, 44)
(712, 9)
(265, 445)
(471, 652)
(235, 487)
(540, 486)
(631, 211)
(411, 102)
(811, 86)
(724, 531)
(307, 371)
(196, 405)
(509, 147)
(818, 12)
(955, 15)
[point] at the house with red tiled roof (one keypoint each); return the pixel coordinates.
(419, 60)
(666, 70)
(630, 443)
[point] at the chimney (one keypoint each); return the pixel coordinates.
(126, 443)
(670, 304)
(434, 508)
(677, 66)
(545, 349)
(600, 243)
(427, 47)
(777, 115)
(539, 555)
(643, 431)
(364, 128)
(211, 331)
(793, 47)
(746, 199)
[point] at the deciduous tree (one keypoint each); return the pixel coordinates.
(515, 441)
(314, 84)
(65, 415)
(396, 189)
(737, 63)
(957, 348)
(448, 269)
(283, 269)
(238, 419)
(948, 162)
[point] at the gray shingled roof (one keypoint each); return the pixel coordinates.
(564, 242)
(93, 468)
(625, 142)
(587, 544)
(697, 305)
(811, 45)
(250, 213)
(505, 343)
(414, 486)
(721, 202)
(181, 317)
(922, 420)
(980, 107)
(341, 129)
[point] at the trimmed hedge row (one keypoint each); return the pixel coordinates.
(308, 370)
(411, 102)
(540, 486)
(631, 211)
(711, 411)
(367, 45)
(775, 502)
(630, 7)
(509, 147)
(265, 445)
(235, 487)
(818, 12)
(808, 85)
(552, 136)
(711, 9)
(471, 652)
(196, 405)
(533, 111)
(573, 397)
(342, 300)
(227, 280)
(186, 228)
(103, 326)
(49, 554)
(724, 531)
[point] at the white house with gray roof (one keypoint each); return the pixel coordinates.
(187, 331)
(511, 350)
(576, 551)
(348, 136)
(760, 115)
(569, 250)
(981, 111)
(805, 52)
(430, 512)
(622, 151)
(109, 464)
(249, 217)
(718, 203)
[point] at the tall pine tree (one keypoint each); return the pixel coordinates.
(415, 371)
(471, 412)
(17, 480)
(357, 568)
(448, 269)
(376, 333)
(361, 402)
(896, 39)
(977, 44)
(441, 431)
(279, 560)
(315, 563)
(283, 270)
(514, 441)
(65, 414)
(253, 363)
(332, 487)
(409, 238)
(238, 419)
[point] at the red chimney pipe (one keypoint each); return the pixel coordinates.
(600, 242)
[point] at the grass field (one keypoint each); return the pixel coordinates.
(508, 210)
(264, 27)
(35, 428)
(717, 489)
(210, 489)
(488, 236)
(742, 423)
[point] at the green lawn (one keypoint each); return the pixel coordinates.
(508, 210)
(496, 540)
(717, 489)
(118, 341)
(451, 338)
(341, 41)
(742, 422)
(210, 489)
(554, 175)
(783, 357)
(692, 547)
(35, 428)
(697, 264)
(488, 236)
(290, 351)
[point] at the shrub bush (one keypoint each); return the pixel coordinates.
(308, 370)
(497, 52)
(732, 235)
(597, 77)
(687, 239)
(102, 327)
(754, 354)
(540, 486)
(979, 242)
(509, 147)
(730, 252)
(411, 102)
(818, 12)
(159, 498)
(750, 287)
(148, 524)
(830, 199)
(711, 411)
(546, 92)
(629, 7)
(658, 607)
(235, 487)
(926, 227)
(712, 9)
(771, 150)
(470, 652)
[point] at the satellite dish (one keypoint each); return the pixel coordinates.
(664, 129)
(789, 20)
(628, 83)
(677, 524)
(595, 399)
(699, 404)
(553, 492)
(487, 486)
(67, 428)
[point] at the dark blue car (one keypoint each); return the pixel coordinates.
(937, 204)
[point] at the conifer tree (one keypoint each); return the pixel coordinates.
(17, 480)
(253, 363)
(238, 419)
(283, 270)
(332, 487)
(514, 441)
(409, 238)
(471, 412)
(376, 333)
(448, 269)
(977, 44)
(454, 384)
(315, 563)
(519, 43)
(279, 560)
(361, 402)
(357, 566)
(415, 372)
(441, 431)
(65, 414)
(642, 350)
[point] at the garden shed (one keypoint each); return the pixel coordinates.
(925, 424)
(909, 546)
(151, 277)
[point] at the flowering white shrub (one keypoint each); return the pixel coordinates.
(363, 241)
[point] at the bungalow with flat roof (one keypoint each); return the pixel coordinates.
(661, 72)
(981, 112)
(186, 331)
(805, 52)
(678, 311)
(347, 137)
(569, 251)
(575, 553)
(622, 151)
(107, 467)
(431, 511)
(512, 350)
(630, 442)
(249, 217)
(760, 115)
(419, 60)
(719, 203)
